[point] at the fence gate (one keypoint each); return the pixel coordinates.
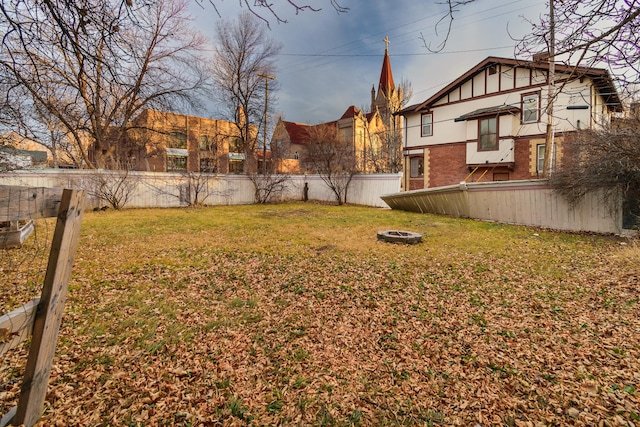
(39, 319)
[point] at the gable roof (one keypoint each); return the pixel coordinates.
(352, 111)
(298, 132)
(601, 77)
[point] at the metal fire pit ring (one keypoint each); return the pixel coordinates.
(399, 236)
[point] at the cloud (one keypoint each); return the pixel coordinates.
(330, 61)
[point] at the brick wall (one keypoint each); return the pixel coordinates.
(447, 164)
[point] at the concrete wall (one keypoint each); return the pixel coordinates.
(526, 202)
(169, 189)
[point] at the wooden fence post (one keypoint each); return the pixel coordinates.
(50, 308)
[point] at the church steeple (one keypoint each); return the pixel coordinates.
(386, 85)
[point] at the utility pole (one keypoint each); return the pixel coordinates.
(550, 147)
(266, 109)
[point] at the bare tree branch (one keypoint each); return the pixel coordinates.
(591, 33)
(94, 66)
(243, 53)
(332, 158)
(604, 159)
(258, 5)
(446, 20)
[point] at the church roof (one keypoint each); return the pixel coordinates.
(298, 132)
(352, 111)
(386, 84)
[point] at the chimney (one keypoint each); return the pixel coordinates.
(541, 57)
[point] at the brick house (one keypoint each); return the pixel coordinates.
(160, 141)
(490, 123)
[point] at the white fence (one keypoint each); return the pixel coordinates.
(527, 202)
(151, 189)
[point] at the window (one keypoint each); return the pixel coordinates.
(236, 166)
(488, 134)
(176, 163)
(427, 124)
(417, 167)
(296, 155)
(177, 140)
(540, 150)
(346, 134)
(235, 145)
(207, 143)
(208, 165)
(531, 108)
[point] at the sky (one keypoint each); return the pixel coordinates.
(330, 61)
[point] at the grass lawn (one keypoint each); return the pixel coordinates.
(295, 314)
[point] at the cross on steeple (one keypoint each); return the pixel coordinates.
(386, 41)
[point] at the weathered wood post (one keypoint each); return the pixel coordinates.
(50, 307)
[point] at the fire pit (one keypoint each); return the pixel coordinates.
(399, 236)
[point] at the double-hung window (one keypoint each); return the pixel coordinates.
(488, 134)
(540, 150)
(427, 124)
(531, 108)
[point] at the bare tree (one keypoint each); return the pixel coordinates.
(193, 189)
(112, 187)
(267, 187)
(592, 33)
(443, 26)
(243, 55)
(93, 66)
(331, 158)
(199, 188)
(603, 159)
(393, 136)
(257, 6)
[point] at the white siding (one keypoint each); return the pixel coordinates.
(507, 78)
(478, 84)
(466, 90)
(522, 77)
(538, 77)
(493, 81)
(505, 154)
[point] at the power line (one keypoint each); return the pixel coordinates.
(377, 55)
(343, 51)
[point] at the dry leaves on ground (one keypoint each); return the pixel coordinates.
(479, 325)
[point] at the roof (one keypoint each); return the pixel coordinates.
(298, 132)
(497, 110)
(352, 111)
(386, 84)
(601, 77)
